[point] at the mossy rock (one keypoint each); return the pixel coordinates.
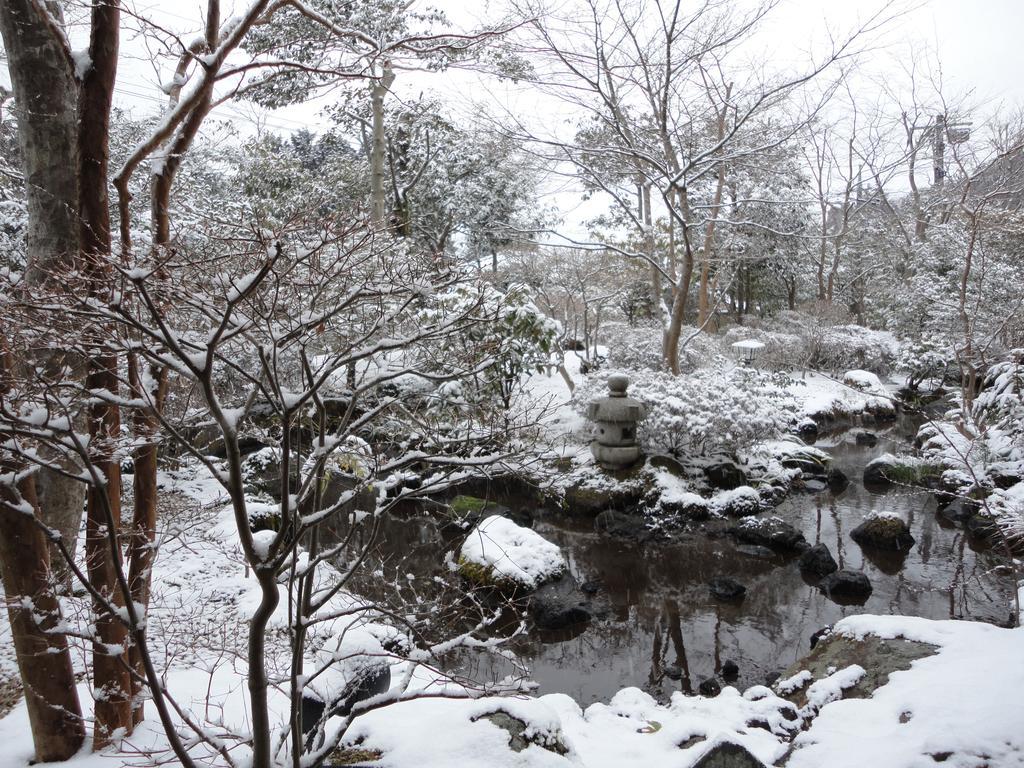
(626, 494)
(879, 658)
(885, 471)
(484, 576)
(883, 532)
(465, 505)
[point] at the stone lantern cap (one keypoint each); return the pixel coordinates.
(617, 407)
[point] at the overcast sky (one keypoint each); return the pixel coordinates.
(978, 44)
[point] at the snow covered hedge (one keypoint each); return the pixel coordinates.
(708, 411)
(638, 347)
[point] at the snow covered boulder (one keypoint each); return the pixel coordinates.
(770, 532)
(739, 502)
(865, 381)
(883, 530)
(499, 553)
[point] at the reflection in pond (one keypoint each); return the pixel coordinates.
(663, 631)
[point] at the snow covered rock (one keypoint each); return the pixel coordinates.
(739, 502)
(770, 532)
(943, 692)
(865, 381)
(500, 553)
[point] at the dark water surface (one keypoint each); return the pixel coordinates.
(661, 615)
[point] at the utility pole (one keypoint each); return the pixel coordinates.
(955, 133)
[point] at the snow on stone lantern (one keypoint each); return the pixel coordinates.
(616, 417)
(747, 350)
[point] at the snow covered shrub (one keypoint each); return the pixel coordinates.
(782, 351)
(709, 411)
(1000, 404)
(513, 338)
(640, 347)
(842, 347)
(636, 347)
(926, 359)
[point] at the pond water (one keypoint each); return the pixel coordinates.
(663, 631)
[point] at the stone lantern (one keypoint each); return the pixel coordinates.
(748, 350)
(616, 417)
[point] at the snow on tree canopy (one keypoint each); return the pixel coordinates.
(511, 553)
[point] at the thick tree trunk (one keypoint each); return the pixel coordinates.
(378, 144)
(43, 659)
(45, 93)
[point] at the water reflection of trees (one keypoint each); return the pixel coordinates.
(660, 612)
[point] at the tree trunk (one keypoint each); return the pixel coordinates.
(110, 666)
(378, 144)
(45, 93)
(51, 697)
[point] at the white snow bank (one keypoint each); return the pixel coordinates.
(511, 552)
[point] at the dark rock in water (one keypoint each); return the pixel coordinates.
(672, 672)
(622, 525)
(818, 561)
(592, 587)
(982, 525)
(866, 438)
(846, 587)
(820, 635)
(883, 532)
(559, 604)
(725, 476)
(754, 550)
(959, 510)
(837, 480)
(772, 494)
(877, 473)
(730, 669)
(724, 588)
(770, 532)
(710, 687)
